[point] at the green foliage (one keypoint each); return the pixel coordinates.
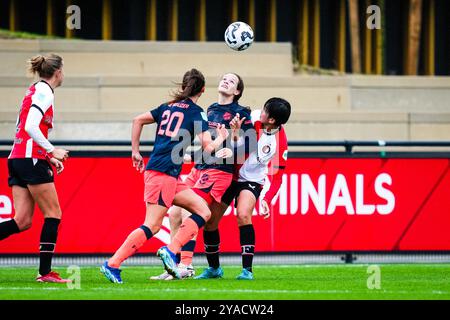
(6, 34)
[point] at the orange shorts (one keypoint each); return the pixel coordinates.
(210, 184)
(160, 188)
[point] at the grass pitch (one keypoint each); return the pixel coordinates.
(395, 281)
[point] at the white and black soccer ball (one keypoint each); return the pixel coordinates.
(239, 36)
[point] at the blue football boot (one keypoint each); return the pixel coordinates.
(245, 275)
(211, 273)
(112, 274)
(169, 261)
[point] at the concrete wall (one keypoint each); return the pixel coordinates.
(129, 58)
(100, 96)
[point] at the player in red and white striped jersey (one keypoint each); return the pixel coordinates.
(268, 160)
(30, 161)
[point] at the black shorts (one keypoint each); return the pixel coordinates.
(23, 172)
(236, 187)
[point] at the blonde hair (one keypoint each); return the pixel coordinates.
(45, 65)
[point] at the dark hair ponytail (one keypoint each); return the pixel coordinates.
(45, 66)
(193, 83)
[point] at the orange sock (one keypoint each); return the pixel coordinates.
(187, 231)
(186, 257)
(135, 240)
(187, 252)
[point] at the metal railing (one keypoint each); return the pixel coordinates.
(297, 148)
(348, 144)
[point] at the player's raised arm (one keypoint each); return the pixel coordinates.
(136, 130)
(244, 138)
(235, 125)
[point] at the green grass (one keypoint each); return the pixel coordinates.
(398, 281)
(6, 34)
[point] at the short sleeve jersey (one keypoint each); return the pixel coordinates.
(178, 124)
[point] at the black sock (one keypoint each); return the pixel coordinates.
(178, 257)
(198, 220)
(247, 236)
(48, 242)
(212, 244)
(8, 228)
(147, 231)
(190, 246)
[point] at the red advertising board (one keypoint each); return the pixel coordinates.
(330, 204)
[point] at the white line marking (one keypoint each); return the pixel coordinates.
(438, 292)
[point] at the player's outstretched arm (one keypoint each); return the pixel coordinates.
(136, 130)
(210, 145)
(277, 168)
(275, 183)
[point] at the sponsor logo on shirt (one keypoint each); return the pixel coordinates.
(48, 119)
(212, 124)
(203, 179)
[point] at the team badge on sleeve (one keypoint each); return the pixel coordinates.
(40, 97)
(285, 154)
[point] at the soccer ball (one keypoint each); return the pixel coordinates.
(239, 36)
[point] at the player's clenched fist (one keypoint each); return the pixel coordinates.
(138, 161)
(264, 210)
